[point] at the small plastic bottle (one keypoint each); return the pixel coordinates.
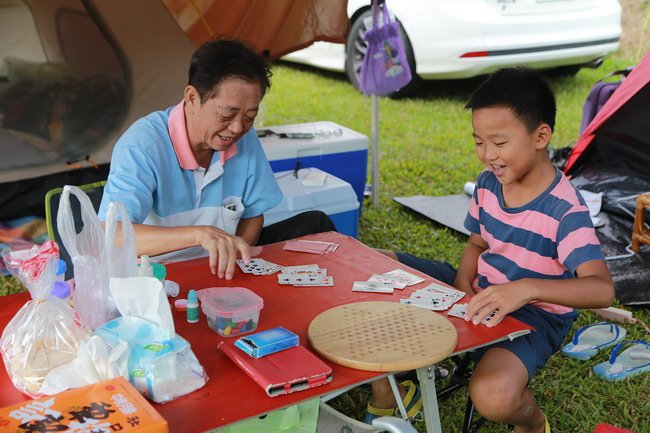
(145, 269)
(192, 307)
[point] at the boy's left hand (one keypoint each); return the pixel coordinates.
(504, 297)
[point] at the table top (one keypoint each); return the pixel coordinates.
(382, 336)
(230, 395)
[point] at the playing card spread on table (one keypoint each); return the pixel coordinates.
(299, 269)
(313, 247)
(305, 275)
(381, 278)
(405, 277)
(459, 310)
(372, 287)
(435, 297)
(327, 282)
(258, 266)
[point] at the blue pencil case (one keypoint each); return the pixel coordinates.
(267, 342)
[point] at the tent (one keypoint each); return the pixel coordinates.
(612, 157)
(74, 74)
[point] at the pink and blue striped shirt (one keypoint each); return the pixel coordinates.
(548, 238)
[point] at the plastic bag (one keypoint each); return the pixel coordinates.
(299, 418)
(384, 68)
(95, 257)
(46, 332)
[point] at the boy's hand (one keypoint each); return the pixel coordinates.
(506, 297)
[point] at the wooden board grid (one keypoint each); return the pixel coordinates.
(382, 336)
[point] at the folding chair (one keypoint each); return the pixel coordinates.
(460, 378)
(94, 190)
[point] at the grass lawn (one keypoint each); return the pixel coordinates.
(427, 148)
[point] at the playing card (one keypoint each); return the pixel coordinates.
(458, 310)
(381, 278)
(258, 266)
(405, 277)
(310, 278)
(430, 302)
(489, 319)
(372, 287)
(327, 281)
(299, 269)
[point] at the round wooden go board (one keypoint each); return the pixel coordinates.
(382, 336)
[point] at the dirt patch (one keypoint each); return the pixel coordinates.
(635, 39)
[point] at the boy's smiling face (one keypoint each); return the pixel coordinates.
(507, 148)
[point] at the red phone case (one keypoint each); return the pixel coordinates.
(282, 372)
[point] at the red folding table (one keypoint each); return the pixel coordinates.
(230, 395)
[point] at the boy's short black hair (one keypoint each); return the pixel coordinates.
(523, 91)
(223, 58)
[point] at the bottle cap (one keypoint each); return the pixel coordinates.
(61, 289)
(159, 271)
(180, 304)
(191, 297)
(61, 267)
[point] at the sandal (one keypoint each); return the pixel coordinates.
(588, 340)
(412, 403)
(623, 364)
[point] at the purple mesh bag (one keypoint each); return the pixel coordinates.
(384, 69)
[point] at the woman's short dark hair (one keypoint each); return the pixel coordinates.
(224, 58)
(523, 91)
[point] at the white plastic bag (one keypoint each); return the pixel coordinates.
(95, 257)
(46, 332)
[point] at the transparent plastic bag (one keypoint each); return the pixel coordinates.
(46, 331)
(95, 257)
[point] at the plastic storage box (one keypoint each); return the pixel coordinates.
(326, 145)
(231, 311)
(335, 197)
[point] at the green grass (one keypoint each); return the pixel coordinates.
(426, 148)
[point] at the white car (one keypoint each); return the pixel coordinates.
(450, 39)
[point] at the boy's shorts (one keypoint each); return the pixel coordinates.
(533, 349)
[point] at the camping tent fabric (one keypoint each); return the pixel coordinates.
(275, 27)
(152, 52)
(635, 86)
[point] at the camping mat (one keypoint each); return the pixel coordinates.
(630, 275)
(448, 210)
(21, 233)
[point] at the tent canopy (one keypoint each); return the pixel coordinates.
(75, 74)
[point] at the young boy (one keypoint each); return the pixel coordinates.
(532, 252)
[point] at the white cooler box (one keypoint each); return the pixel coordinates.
(328, 146)
(335, 197)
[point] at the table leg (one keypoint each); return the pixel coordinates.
(427, 378)
(398, 396)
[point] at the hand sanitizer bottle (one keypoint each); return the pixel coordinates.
(192, 307)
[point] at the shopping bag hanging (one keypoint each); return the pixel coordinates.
(384, 68)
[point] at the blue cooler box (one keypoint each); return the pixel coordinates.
(335, 197)
(333, 148)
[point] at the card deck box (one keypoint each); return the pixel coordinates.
(267, 342)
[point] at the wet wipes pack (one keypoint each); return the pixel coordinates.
(267, 342)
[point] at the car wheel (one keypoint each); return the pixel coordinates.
(356, 47)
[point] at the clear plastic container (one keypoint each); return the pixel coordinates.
(231, 311)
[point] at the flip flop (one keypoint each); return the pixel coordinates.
(630, 362)
(588, 340)
(412, 403)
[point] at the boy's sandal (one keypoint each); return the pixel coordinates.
(625, 363)
(412, 403)
(547, 427)
(590, 339)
